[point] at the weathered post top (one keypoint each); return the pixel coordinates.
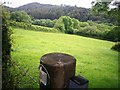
(61, 67)
(55, 58)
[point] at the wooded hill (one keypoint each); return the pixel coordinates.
(47, 11)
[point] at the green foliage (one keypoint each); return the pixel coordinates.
(103, 7)
(83, 24)
(114, 34)
(116, 47)
(44, 22)
(20, 16)
(28, 26)
(100, 7)
(60, 25)
(65, 24)
(76, 24)
(44, 29)
(90, 30)
(20, 24)
(7, 78)
(68, 25)
(6, 42)
(91, 23)
(102, 29)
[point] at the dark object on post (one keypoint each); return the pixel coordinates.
(56, 70)
(78, 82)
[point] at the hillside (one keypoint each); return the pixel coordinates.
(47, 11)
(95, 60)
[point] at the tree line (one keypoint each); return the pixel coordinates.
(46, 11)
(66, 24)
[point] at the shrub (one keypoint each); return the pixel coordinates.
(91, 31)
(116, 47)
(65, 24)
(114, 34)
(91, 23)
(83, 24)
(60, 26)
(75, 23)
(7, 78)
(32, 27)
(20, 16)
(44, 22)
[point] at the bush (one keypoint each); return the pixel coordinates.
(7, 78)
(20, 16)
(83, 24)
(75, 23)
(114, 34)
(89, 31)
(32, 27)
(116, 47)
(44, 22)
(91, 23)
(65, 24)
(60, 26)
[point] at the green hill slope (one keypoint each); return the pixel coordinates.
(95, 60)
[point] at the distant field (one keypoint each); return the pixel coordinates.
(95, 60)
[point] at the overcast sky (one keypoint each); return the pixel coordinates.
(79, 3)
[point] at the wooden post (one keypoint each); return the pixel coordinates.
(59, 68)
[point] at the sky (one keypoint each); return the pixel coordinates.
(79, 3)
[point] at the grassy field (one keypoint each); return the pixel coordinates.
(95, 60)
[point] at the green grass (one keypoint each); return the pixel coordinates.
(95, 60)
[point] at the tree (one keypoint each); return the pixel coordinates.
(20, 16)
(75, 23)
(68, 24)
(103, 7)
(60, 25)
(65, 24)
